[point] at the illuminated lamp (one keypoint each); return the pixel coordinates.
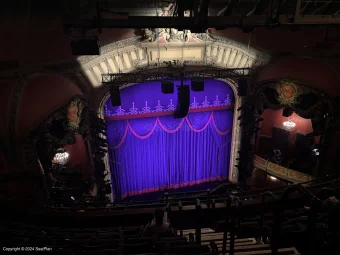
(273, 178)
(61, 157)
(289, 125)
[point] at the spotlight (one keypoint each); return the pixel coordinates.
(273, 178)
(85, 45)
(73, 198)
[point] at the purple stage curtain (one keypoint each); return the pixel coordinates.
(157, 153)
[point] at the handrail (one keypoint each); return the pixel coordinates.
(241, 195)
(303, 191)
(325, 191)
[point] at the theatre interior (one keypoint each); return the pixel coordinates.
(170, 127)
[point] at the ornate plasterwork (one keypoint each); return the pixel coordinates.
(171, 35)
(162, 45)
(287, 91)
(262, 57)
(74, 113)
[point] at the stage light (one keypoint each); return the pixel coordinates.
(61, 157)
(115, 96)
(85, 45)
(197, 85)
(289, 125)
(183, 101)
(167, 87)
(273, 178)
(73, 198)
(242, 87)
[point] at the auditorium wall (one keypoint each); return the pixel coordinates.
(40, 40)
(78, 156)
(41, 96)
(315, 73)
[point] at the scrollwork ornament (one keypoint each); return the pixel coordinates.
(287, 91)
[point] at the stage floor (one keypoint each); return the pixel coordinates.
(152, 196)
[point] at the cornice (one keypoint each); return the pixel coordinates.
(261, 56)
(136, 53)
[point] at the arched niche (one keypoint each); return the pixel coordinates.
(65, 128)
(313, 114)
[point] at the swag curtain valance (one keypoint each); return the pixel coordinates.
(156, 153)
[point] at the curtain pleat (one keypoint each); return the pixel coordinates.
(158, 153)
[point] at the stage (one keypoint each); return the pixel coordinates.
(154, 196)
(151, 152)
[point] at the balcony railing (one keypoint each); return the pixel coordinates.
(280, 171)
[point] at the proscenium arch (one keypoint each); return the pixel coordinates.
(233, 173)
(134, 55)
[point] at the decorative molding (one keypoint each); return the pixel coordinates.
(134, 54)
(171, 35)
(280, 171)
(166, 108)
(262, 57)
(287, 91)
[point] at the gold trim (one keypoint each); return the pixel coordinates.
(289, 85)
(280, 171)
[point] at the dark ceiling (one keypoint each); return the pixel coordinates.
(150, 7)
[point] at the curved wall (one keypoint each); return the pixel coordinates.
(6, 89)
(311, 72)
(43, 95)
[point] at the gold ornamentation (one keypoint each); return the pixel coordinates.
(287, 91)
(74, 111)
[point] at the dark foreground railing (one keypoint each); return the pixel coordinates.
(230, 208)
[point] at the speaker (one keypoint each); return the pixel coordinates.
(183, 101)
(242, 87)
(85, 46)
(115, 96)
(167, 87)
(287, 111)
(197, 85)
